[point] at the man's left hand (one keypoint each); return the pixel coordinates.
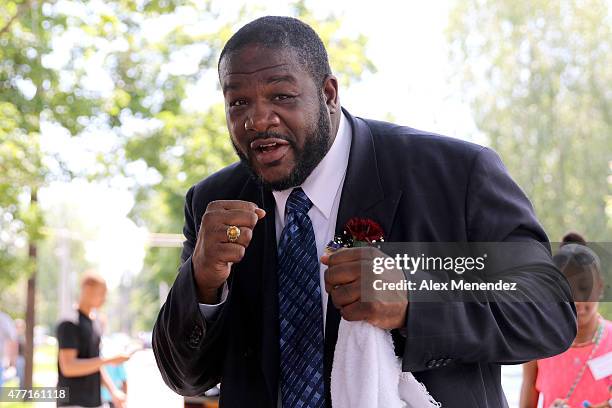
(343, 279)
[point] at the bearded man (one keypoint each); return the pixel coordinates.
(256, 305)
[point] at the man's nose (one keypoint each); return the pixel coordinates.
(261, 118)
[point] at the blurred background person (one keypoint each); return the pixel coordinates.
(20, 361)
(567, 380)
(116, 372)
(80, 367)
(8, 344)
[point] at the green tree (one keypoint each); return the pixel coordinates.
(124, 69)
(34, 93)
(31, 93)
(46, 50)
(537, 76)
(20, 164)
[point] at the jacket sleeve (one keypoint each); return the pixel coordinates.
(502, 329)
(189, 350)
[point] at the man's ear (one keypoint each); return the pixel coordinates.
(330, 92)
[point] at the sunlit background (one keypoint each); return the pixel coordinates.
(110, 110)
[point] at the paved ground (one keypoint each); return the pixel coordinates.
(146, 387)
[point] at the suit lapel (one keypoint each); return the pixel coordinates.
(261, 288)
(270, 353)
(362, 193)
(362, 196)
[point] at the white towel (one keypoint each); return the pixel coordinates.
(367, 374)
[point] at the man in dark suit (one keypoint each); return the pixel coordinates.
(253, 306)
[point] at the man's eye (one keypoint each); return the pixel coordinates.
(238, 102)
(282, 97)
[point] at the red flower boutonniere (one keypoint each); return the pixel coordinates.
(358, 232)
(364, 230)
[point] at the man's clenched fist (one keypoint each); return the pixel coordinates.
(343, 279)
(214, 253)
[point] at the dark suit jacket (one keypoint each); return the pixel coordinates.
(419, 187)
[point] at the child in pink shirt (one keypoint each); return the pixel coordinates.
(566, 380)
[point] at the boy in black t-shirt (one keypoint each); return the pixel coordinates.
(80, 367)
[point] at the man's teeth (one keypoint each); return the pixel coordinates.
(263, 147)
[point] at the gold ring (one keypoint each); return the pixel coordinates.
(233, 232)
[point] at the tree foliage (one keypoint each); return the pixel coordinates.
(140, 74)
(22, 40)
(537, 76)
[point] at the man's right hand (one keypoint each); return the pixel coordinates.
(214, 254)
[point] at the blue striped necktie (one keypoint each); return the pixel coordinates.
(300, 310)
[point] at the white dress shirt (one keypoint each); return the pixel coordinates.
(324, 188)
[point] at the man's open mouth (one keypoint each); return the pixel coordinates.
(270, 150)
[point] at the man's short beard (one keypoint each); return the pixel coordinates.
(315, 148)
